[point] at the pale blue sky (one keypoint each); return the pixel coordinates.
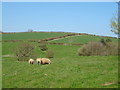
(81, 17)
(0, 16)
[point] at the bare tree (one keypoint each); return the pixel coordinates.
(30, 30)
(115, 21)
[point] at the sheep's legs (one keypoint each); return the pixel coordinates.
(38, 62)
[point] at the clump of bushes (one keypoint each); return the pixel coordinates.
(24, 52)
(102, 48)
(49, 54)
(103, 41)
(111, 48)
(43, 45)
(108, 40)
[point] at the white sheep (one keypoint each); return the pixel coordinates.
(43, 61)
(31, 61)
(39, 60)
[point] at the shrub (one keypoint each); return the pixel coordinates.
(108, 40)
(103, 41)
(49, 54)
(111, 48)
(98, 48)
(24, 52)
(43, 45)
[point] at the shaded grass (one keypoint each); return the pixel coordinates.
(81, 39)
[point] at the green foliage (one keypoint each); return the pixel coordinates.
(43, 47)
(108, 40)
(24, 52)
(98, 49)
(103, 41)
(114, 25)
(49, 54)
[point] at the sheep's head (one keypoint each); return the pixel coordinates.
(31, 61)
(39, 60)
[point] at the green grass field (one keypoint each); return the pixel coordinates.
(80, 39)
(64, 72)
(31, 35)
(68, 70)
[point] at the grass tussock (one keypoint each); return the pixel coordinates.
(43, 45)
(49, 54)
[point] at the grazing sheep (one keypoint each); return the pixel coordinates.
(39, 60)
(31, 61)
(43, 61)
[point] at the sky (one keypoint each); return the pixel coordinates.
(79, 17)
(0, 16)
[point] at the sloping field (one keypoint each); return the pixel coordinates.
(31, 35)
(80, 39)
(66, 71)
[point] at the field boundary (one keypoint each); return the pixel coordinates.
(50, 43)
(70, 33)
(54, 38)
(77, 44)
(76, 34)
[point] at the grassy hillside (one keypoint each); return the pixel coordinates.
(9, 47)
(31, 35)
(43, 35)
(66, 71)
(80, 39)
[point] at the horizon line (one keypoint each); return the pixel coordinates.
(59, 32)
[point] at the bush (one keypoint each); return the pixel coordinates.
(43, 46)
(103, 41)
(24, 52)
(98, 48)
(111, 48)
(108, 40)
(49, 54)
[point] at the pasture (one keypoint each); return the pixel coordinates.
(81, 39)
(31, 35)
(68, 70)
